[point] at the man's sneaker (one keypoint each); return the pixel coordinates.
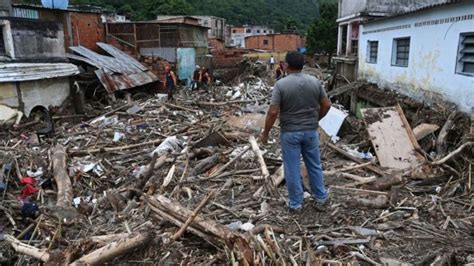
(321, 206)
(295, 211)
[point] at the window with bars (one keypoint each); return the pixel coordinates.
(466, 54)
(401, 52)
(265, 42)
(372, 51)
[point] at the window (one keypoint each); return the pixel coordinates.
(215, 23)
(3, 51)
(372, 51)
(248, 31)
(400, 52)
(234, 31)
(465, 63)
(264, 31)
(206, 23)
(265, 42)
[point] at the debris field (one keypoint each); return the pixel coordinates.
(188, 182)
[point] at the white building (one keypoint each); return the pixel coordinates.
(351, 13)
(426, 54)
(239, 33)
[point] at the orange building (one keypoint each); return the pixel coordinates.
(275, 42)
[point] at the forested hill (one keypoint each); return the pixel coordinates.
(280, 14)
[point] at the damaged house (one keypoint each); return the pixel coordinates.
(34, 73)
(427, 54)
(351, 13)
(180, 41)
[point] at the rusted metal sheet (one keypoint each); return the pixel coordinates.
(116, 72)
(35, 71)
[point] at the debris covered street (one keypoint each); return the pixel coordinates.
(186, 182)
(130, 136)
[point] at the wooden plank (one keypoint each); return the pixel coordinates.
(392, 138)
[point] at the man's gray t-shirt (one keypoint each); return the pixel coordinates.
(298, 95)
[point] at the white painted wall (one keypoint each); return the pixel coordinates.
(431, 72)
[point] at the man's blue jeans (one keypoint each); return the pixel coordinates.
(293, 145)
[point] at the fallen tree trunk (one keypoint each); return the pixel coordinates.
(61, 177)
(113, 249)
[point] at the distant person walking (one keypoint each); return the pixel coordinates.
(300, 101)
(205, 78)
(170, 82)
(272, 62)
(280, 71)
(195, 84)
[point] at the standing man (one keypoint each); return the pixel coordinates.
(272, 62)
(170, 82)
(301, 102)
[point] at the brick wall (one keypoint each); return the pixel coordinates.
(87, 30)
(228, 57)
(276, 42)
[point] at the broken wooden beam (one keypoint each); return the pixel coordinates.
(61, 177)
(114, 249)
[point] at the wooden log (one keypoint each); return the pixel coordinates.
(258, 153)
(191, 218)
(113, 249)
(65, 196)
(452, 154)
(441, 145)
(225, 166)
(206, 164)
(230, 102)
(115, 149)
(372, 168)
(378, 202)
(34, 252)
(423, 130)
(385, 183)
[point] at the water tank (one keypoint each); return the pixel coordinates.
(57, 4)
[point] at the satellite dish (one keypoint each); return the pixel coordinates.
(58, 4)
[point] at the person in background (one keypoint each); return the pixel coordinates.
(272, 62)
(205, 78)
(196, 77)
(170, 82)
(300, 101)
(280, 71)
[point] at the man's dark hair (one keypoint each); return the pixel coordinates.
(295, 60)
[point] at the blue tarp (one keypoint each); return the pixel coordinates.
(186, 63)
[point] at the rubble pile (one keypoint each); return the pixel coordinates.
(187, 182)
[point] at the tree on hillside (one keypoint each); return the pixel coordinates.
(322, 33)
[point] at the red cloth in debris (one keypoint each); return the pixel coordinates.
(27, 191)
(28, 180)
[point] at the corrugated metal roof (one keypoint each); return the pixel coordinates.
(119, 71)
(35, 71)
